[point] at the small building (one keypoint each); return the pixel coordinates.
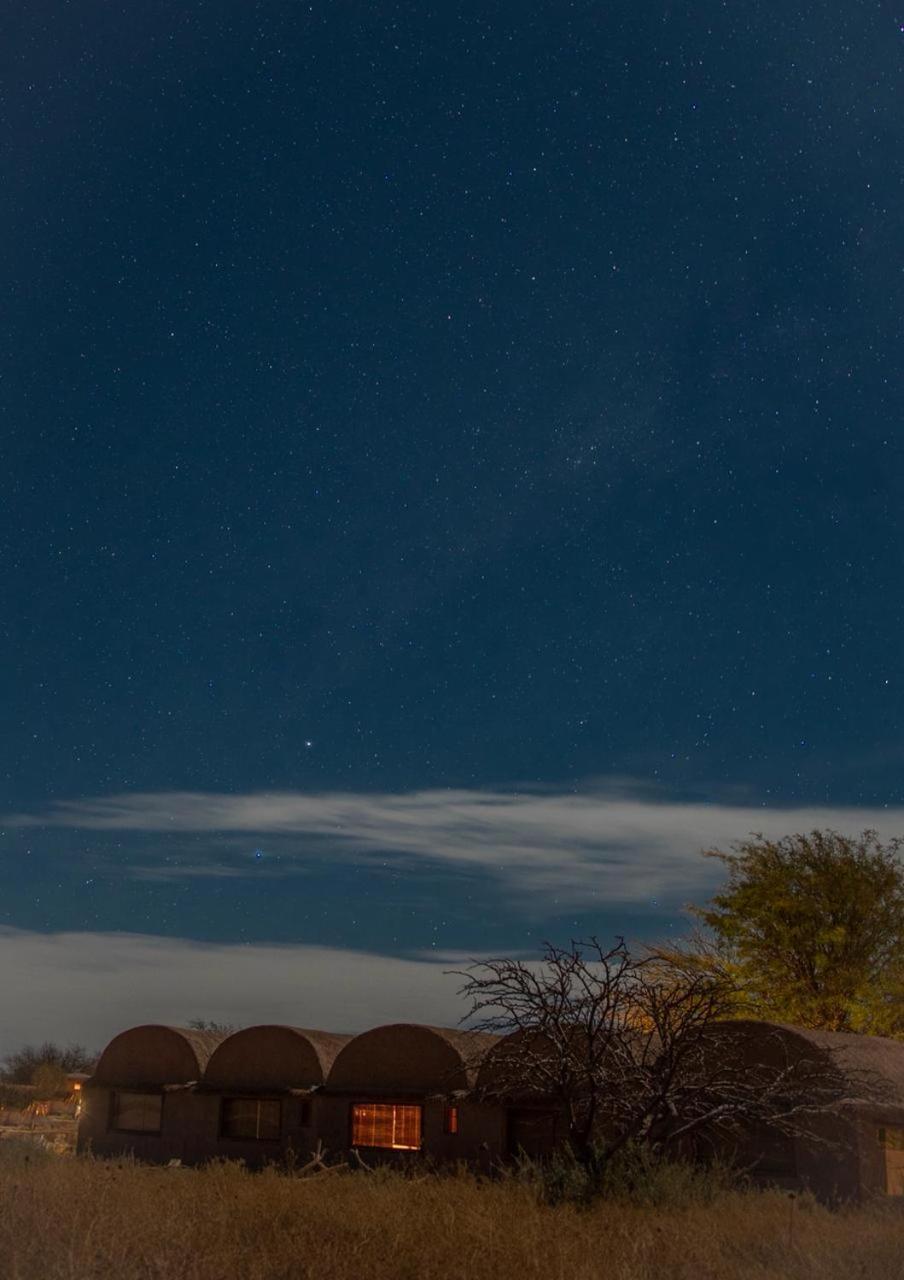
(269, 1093)
(407, 1088)
(854, 1149)
(260, 1090)
(140, 1098)
(533, 1122)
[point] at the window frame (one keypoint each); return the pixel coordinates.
(112, 1119)
(224, 1134)
(395, 1106)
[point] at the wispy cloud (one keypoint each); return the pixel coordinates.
(88, 986)
(601, 844)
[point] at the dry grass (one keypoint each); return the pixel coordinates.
(44, 1124)
(65, 1219)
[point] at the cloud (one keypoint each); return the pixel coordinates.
(604, 844)
(88, 986)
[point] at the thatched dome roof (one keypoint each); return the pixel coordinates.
(155, 1055)
(866, 1060)
(408, 1058)
(877, 1056)
(523, 1055)
(273, 1057)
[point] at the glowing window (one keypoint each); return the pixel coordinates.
(450, 1120)
(255, 1119)
(137, 1112)
(384, 1124)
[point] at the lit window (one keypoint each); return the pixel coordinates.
(137, 1112)
(383, 1124)
(450, 1120)
(257, 1119)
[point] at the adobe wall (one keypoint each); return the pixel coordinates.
(182, 1123)
(871, 1157)
(295, 1136)
(190, 1132)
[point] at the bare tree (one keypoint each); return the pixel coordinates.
(639, 1049)
(209, 1024)
(20, 1067)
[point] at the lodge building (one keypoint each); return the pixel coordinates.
(404, 1090)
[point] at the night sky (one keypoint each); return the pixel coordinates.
(453, 473)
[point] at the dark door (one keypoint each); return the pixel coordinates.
(531, 1131)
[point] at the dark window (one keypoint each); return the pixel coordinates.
(450, 1120)
(304, 1115)
(531, 1132)
(384, 1124)
(137, 1112)
(257, 1119)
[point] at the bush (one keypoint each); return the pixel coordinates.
(635, 1176)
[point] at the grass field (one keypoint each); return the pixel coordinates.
(82, 1219)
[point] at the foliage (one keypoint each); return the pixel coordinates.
(20, 1067)
(636, 1175)
(637, 1051)
(811, 928)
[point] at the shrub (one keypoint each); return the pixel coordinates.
(635, 1176)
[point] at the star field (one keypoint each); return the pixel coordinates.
(400, 398)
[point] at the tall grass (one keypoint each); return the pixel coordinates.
(84, 1219)
(634, 1176)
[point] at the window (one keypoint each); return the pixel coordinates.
(450, 1120)
(304, 1115)
(257, 1119)
(137, 1112)
(383, 1124)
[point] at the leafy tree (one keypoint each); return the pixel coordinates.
(811, 929)
(20, 1067)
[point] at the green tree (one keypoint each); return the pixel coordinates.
(811, 928)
